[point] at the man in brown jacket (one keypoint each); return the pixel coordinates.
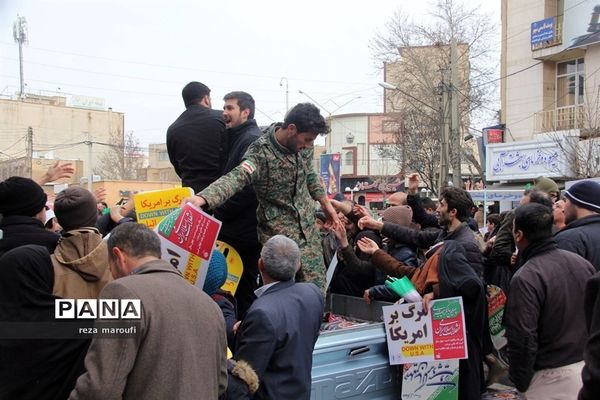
(178, 349)
(80, 259)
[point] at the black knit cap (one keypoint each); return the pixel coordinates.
(585, 194)
(21, 196)
(75, 207)
(193, 92)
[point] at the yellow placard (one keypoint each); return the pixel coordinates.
(151, 207)
(235, 266)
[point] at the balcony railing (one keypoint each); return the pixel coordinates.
(560, 119)
(546, 33)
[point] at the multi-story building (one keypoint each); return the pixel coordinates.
(550, 91)
(159, 167)
(58, 128)
(359, 139)
(413, 90)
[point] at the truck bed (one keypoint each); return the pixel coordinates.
(353, 363)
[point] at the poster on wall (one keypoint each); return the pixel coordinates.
(414, 335)
(330, 172)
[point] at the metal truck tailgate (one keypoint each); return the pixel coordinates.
(353, 363)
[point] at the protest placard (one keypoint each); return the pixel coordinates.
(188, 236)
(414, 335)
(235, 266)
(496, 301)
(151, 207)
(433, 380)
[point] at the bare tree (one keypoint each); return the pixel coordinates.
(414, 57)
(122, 160)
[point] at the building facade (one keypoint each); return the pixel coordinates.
(550, 92)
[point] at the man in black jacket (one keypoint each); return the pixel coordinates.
(22, 206)
(544, 314)
(238, 214)
(196, 141)
(582, 216)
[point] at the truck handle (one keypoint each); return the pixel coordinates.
(359, 350)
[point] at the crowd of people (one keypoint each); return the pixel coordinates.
(277, 215)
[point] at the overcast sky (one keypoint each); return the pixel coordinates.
(138, 55)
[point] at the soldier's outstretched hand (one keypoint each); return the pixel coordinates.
(198, 201)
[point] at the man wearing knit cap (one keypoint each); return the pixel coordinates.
(81, 259)
(547, 185)
(582, 216)
(22, 205)
(196, 141)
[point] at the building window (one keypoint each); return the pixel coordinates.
(569, 83)
(163, 156)
(349, 158)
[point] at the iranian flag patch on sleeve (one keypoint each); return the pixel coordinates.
(248, 166)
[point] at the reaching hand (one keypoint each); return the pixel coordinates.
(57, 171)
(198, 201)
(340, 232)
(100, 194)
(367, 296)
(367, 245)
(367, 222)
(361, 211)
(413, 183)
(426, 299)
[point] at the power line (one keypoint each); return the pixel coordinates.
(188, 68)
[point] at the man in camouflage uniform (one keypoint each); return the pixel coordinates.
(279, 167)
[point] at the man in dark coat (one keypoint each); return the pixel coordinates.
(196, 141)
(582, 216)
(591, 355)
(23, 210)
(456, 279)
(278, 334)
(543, 316)
(238, 214)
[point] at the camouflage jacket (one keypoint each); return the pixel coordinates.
(285, 184)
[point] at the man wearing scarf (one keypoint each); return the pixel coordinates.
(544, 313)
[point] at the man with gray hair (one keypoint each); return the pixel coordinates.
(181, 333)
(278, 334)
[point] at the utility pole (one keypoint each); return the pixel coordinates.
(445, 132)
(455, 137)
(29, 158)
(89, 162)
(21, 37)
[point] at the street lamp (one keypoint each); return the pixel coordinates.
(352, 190)
(287, 93)
(314, 101)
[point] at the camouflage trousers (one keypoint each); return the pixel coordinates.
(313, 266)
